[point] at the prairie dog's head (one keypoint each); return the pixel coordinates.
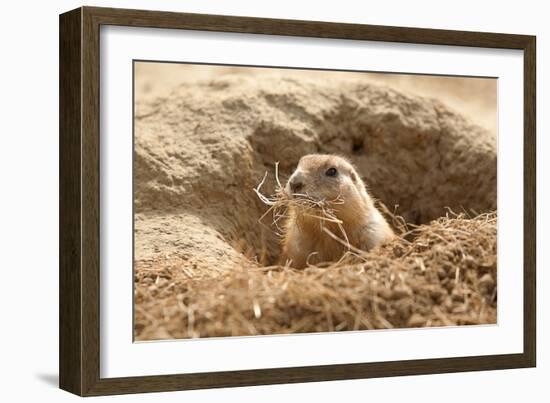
(325, 178)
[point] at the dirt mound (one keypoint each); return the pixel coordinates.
(201, 150)
(445, 276)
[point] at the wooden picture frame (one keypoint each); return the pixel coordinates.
(79, 349)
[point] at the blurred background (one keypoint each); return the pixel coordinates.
(475, 98)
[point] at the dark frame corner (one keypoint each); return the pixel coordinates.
(79, 200)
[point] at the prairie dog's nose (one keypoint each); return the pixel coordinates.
(296, 183)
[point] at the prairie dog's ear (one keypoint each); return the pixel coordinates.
(354, 176)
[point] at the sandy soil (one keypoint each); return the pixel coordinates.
(205, 136)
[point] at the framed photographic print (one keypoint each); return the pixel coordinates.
(249, 201)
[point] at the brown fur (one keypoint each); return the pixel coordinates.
(305, 242)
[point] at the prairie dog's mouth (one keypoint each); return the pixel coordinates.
(308, 200)
(296, 195)
(302, 197)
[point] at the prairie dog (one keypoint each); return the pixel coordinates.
(334, 180)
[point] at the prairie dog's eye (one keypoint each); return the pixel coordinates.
(331, 172)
